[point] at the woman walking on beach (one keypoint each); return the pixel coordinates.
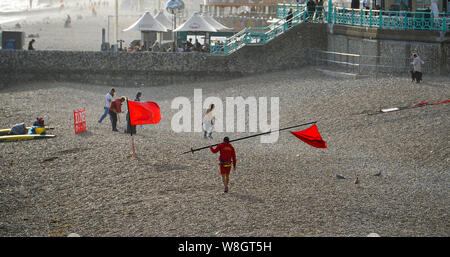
(208, 122)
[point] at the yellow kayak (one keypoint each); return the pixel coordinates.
(24, 137)
(6, 131)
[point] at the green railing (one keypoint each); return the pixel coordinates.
(258, 36)
(399, 20)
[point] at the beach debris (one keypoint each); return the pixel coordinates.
(390, 109)
(373, 235)
(338, 176)
(356, 180)
(377, 174)
(50, 159)
(73, 235)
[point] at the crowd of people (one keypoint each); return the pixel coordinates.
(227, 156)
(114, 107)
(157, 47)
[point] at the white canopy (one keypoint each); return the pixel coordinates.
(164, 20)
(213, 22)
(196, 23)
(147, 23)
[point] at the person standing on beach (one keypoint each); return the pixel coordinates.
(129, 126)
(114, 109)
(108, 97)
(30, 44)
(227, 158)
(417, 71)
(208, 122)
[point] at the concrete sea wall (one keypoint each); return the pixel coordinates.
(390, 51)
(294, 49)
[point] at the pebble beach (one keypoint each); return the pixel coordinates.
(89, 184)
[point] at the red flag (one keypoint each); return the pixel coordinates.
(144, 113)
(311, 136)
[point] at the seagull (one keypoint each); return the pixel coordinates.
(378, 174)
(356, 180)
(338, 176)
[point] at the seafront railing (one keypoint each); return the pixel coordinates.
(399, 20)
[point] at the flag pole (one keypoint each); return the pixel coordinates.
(242, 138)
(131, 131)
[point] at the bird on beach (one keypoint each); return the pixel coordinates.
(377, 174)
(338, 176)
(356, 180)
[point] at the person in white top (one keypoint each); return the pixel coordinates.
(416, 73)
(108, 99)
(208, 122)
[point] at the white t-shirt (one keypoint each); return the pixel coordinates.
(108, 100)
(417, 62)
(207, 122)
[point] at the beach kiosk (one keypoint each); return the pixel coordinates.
(195, 25)
(149, 28)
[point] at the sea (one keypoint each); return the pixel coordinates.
(17, 10)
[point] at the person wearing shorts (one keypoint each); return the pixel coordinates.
(227, 159)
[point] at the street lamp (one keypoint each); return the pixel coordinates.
(173, 7)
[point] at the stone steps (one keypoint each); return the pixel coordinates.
(340, 74)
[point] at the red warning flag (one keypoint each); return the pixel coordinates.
(144, 113)
(311, 136)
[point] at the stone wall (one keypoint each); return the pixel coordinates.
(294, 49)
(127, 69)
(384, 50)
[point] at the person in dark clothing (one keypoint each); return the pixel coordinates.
(30, 44)
(197, 46)
(189, 45)
(355, 4)
(289, 18)
(319, 8)
(311, 7)
(129, 126)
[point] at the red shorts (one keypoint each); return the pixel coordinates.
(224, 170)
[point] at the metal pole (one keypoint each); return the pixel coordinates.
(108, 28)
(242, 138)
(117, 22)
(174, 33)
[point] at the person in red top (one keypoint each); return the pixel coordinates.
(114, 109)
(227, 158)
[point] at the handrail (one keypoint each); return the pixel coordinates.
(257, 35)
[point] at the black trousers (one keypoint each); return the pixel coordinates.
(416, 76)
(113, 119)
(132, 128)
